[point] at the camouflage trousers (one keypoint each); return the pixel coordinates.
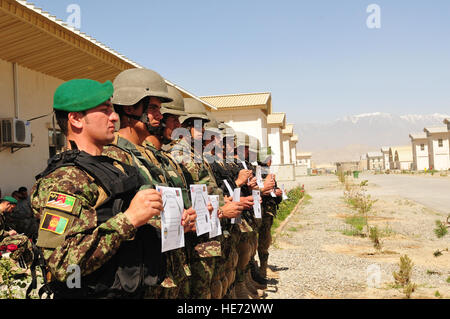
(203, 254)
(246, 248)
(177, 275)
(264, 237)
(24, 249)
(225, 271)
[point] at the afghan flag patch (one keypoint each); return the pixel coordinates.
(61, 201)
(54, 223)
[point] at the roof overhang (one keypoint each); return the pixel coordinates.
(36, 40)
(242, 101)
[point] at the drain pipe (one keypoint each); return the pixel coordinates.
(16, 90)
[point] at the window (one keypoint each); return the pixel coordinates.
(440, 142)
(422, 147)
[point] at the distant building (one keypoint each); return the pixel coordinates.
(245, 113)
(385, 151)
(404, 158)
(420, 151)
(400, 157)
(304, 159)
(374, 161)
(362, 163)
(347, 167)
(275, 124)
(438, 147)
(287, 133)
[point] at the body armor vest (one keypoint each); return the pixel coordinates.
(138, 263)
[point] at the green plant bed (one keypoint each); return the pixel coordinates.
(286, 206)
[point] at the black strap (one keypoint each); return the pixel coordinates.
(38, 261)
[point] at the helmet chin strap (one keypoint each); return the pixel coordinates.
(153, 130)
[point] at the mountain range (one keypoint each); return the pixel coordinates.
(347, 138)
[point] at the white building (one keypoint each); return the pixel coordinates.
(385, 151)
(37, 54)
(286, 135)
(245, 113)
(275, 124)
(375, 161)
(438, 147)
(304, 159)
(420, 151)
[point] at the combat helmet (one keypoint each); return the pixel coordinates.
(133, 85)
(176, 106)
(194, 110)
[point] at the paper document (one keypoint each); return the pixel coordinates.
(216, 229)
(230, 190)
(256, 204)
(259, 179)
(284, 193)
(236, 198)
(200, 202)
(172, 232)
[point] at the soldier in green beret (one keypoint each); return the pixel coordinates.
(93, 212)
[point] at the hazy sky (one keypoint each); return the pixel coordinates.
(318, 58)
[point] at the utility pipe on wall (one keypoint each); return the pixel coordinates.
(16, 90)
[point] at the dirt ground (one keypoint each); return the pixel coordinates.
(314, 256)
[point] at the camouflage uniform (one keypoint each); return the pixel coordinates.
(247, 229)
(88, 240)
(269, 210)
(169, 173)
(24, 247)
(202, 251)
(135, 155)
(231, 232)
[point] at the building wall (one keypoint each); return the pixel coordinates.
(35, 96)
(404, 165)
(286, 149)
(304, 162)
(420, 158)
(252, 122)
(375, 163)
(439, 156)
(386, 164)
(293, 153)
(274, 141)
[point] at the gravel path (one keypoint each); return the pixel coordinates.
(311, 258)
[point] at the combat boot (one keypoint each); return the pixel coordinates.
(241, 291)
(258, 281)
(263, 269)
(251, 289)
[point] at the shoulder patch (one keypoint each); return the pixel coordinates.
(63, 202)
(53, 223)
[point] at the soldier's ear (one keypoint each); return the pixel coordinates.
(74, 119)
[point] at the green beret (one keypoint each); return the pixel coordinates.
(10, 199)
(81, 95)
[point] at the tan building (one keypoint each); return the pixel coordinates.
(362, 166)
(403, 158)
(438, 147)
(275, 124)
(375, 161)
(245, 113)
(37, 54)
(287, 133)
(419, 143)
(304, 159)
(385, 152)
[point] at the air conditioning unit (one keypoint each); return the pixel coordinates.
(15, 132)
